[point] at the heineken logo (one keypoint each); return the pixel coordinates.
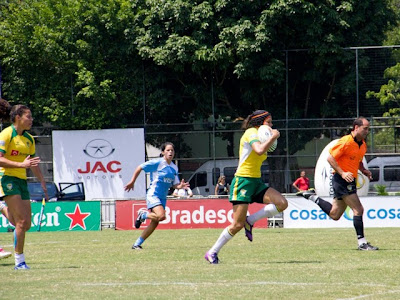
(63, 216)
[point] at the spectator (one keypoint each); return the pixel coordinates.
(222, 187)
(302, 183)
(184, 192)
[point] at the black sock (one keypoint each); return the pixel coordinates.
(359, 226)
(325, 205)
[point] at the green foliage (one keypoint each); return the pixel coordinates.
(97, 64)
(67, 61)
(381, 189)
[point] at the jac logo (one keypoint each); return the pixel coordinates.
(112, 167)
(14, 152)
(98, 148)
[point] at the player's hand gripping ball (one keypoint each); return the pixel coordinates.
(264, 134)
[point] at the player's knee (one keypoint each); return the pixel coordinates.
(282, 205)
(335, 218)
(23, 224)
(161, 217)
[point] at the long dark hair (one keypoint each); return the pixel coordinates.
(255, 119)
(18, 110)
(163, 146)
(5, 109)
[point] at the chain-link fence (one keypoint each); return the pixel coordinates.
(196, 145)
(217, 138)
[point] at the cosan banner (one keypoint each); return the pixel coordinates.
(104, 160)
(207, 213)
(62, 216)
(379, 211)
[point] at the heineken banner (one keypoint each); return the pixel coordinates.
(63, 216)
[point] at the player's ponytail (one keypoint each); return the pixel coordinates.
(5, 109)
(255, 119)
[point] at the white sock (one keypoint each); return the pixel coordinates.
(222, 240)
(19, 258)
(268, 211)
(362, 241)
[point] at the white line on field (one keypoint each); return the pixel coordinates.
(371, 295)
(145, 283)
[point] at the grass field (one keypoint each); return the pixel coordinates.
(279, 264)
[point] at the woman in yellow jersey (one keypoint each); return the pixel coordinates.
(247, 186)
(17, 153)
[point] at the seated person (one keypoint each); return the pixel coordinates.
(183, 193)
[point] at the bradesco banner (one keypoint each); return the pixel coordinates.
(180, 214)
(63, 216)
(379, 211)
(104, 160)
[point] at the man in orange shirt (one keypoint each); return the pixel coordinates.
(346, 159)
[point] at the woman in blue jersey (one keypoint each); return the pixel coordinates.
(247, 186)
(163, 175)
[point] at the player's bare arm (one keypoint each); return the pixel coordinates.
(131, 183)
(365, 171)
(26, 164)
(348, 176)
(181, 185)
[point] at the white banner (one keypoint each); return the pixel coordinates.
(324, 173)
(104, 160)
(379, 211)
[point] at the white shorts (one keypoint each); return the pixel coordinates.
(153, 201)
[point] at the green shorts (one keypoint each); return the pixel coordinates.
(15, 186)
(244, 189)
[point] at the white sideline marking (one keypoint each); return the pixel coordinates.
(145, 283)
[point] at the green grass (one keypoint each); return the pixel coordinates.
(279, 264)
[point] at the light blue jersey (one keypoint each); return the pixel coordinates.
(162, 177)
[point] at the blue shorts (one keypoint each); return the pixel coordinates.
(341, 187)
(153, 201)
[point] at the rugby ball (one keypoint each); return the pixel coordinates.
(264, 134)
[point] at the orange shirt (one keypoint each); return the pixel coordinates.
(348, 154)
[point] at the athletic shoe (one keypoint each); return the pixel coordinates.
(21, 266)
(212, 258)
(137, 247)
(248, 230)
(305, 194)
(139, 219)
(4, 254)
(367, 247)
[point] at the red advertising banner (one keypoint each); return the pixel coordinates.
(181, 214)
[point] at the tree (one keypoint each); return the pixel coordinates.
(68, 60)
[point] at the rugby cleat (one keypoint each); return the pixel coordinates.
(4, 254)
(248, 230)
(137, 247)
(212, 258)
(21, 266)
(367, 247)
(139, 219)
(306, 194)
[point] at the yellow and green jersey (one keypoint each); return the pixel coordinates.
(16, 148)
(249, 161)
